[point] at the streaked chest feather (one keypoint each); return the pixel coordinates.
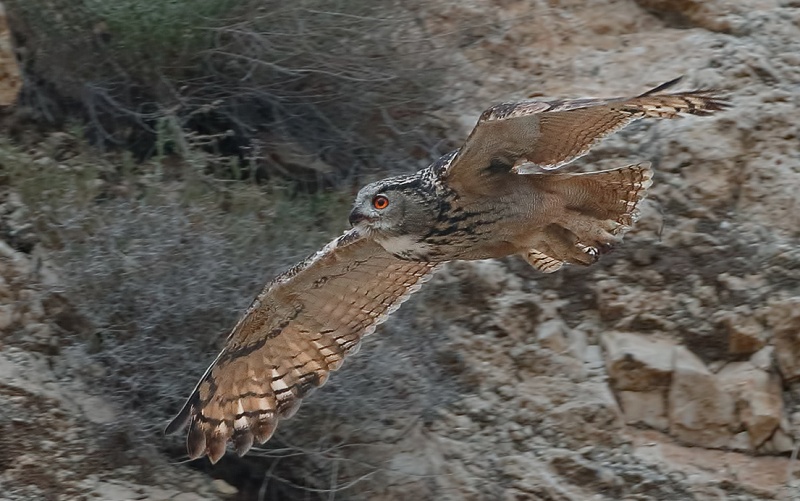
(450, 237)
(405, 247)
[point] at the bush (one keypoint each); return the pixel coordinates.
(337, 84)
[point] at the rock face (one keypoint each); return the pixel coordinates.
(758, 399)
(746, 334)
(664, 386)
(638, 363)
(700, 411)
(668, 370)
(63, 441)
(785, 320)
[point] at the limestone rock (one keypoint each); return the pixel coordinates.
(636, 362)
(645, 407)
(785, 320)
(713, 16)
(745, 334)
(578, 343)
(740, 442)
(224, 487)
(517, 314)
(763, 358)
(701, 412)
(758, 399)
(6, 316)
(550, 334)
(781, 442)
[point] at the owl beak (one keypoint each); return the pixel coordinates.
(356, 217)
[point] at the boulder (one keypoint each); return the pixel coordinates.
(784, 318)
(781, 442)
(645, 407)
(701, 411)
(636, 362)
(551, 334)
(745, 334)
(758, 399)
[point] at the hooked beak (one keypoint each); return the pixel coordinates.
(356, 217)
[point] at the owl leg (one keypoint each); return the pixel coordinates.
(594, 236)
(599, 206)
(541, 261)
(559, 244)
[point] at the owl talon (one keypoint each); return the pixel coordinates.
(591, 250)
(595, 251)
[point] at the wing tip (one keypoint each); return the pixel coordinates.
(243, 441)
(183, 417)
(195, 441)
(662, 87)
(208, 437)
(201, 439)
(216, 444)
(712, 99)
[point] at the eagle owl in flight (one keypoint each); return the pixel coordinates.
(493, 197)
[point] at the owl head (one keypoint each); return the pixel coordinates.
(394, 206)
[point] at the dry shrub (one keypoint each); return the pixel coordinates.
(163, 282)
(161, 265)
(318, 90)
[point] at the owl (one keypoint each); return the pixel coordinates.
(495, 196)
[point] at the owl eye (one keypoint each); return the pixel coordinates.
(380, 202)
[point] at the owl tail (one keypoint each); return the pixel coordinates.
(599, 207)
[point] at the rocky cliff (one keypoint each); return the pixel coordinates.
(669, 370)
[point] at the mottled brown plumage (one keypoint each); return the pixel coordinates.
(491, 198)
(534, 136)
(298, 330)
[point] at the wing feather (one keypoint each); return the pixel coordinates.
(299, 329)
(514, 137)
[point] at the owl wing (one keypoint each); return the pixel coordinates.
(517, 137)
(299, 329)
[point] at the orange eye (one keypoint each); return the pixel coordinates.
(380, 202)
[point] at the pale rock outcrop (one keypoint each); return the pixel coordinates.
(666, 387)
(645, 407)
(636, 362)
(784, 317)
(758, 399)
(701, 412)
(746, 335)
(640, 370)
(552, 334)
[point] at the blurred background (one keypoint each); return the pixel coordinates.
(161, 160)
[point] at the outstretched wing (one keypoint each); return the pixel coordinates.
(549, 134)
(298, 330)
